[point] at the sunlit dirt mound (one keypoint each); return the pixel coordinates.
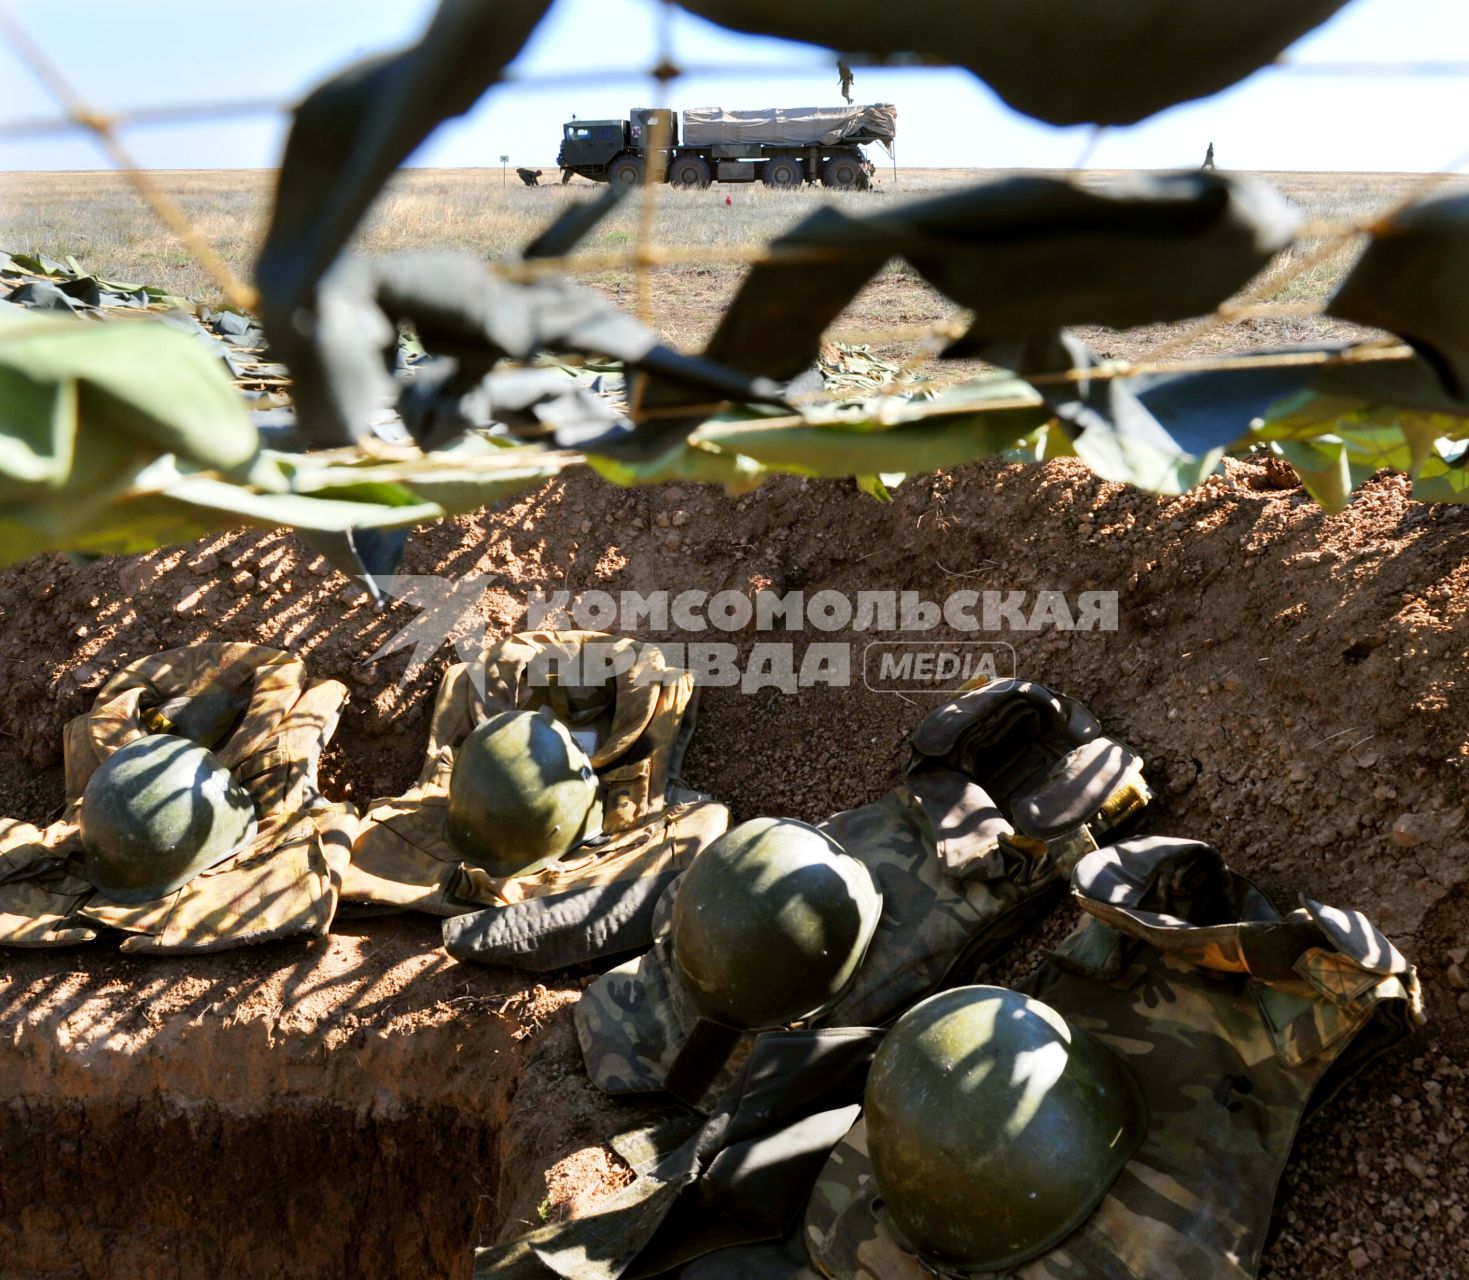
(1299, 684)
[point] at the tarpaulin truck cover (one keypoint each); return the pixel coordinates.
(789, 126)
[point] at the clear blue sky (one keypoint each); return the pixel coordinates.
(126, 53)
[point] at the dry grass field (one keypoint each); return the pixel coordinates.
(98, 218)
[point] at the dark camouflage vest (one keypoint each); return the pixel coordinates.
(1235, 1021)
(1005, 788)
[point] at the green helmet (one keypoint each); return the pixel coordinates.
(522, 794)
(770, 924)
(207, 718)
(994, 1128)
(156, 813)
(574, 702)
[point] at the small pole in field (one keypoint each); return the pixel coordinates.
(504, 160)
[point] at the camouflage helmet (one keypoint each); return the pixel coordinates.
(994, 1128)
(156, 813)
(521, 795)
(770, 924)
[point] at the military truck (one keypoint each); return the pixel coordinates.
(781, 147)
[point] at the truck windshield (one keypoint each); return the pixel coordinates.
(577, 131)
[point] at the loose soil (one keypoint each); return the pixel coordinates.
(1298, 682)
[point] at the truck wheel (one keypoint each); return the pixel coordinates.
(783, 172)
(688, 171)
(626, 171)
(842, 172)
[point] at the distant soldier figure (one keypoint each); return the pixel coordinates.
(1208, 158)
(531, 177)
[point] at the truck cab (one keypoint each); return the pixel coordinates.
(591, 144)
(615, 150)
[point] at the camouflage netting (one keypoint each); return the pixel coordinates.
(1029, 258)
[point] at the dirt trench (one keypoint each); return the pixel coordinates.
(349, 1108)
(1298, 683)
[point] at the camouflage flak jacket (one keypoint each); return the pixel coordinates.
(1234, 1020)
(274, 727)
(403, 857)
(967, 854)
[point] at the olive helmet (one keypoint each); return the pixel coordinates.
(994, 1127)
(156, 813)
(522, 794)
(770, 924)
(208, 717)
(575, 702)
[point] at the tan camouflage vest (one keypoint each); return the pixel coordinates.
(403, 857)
(958, 882)
(1232, 1031)
(285, 882)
